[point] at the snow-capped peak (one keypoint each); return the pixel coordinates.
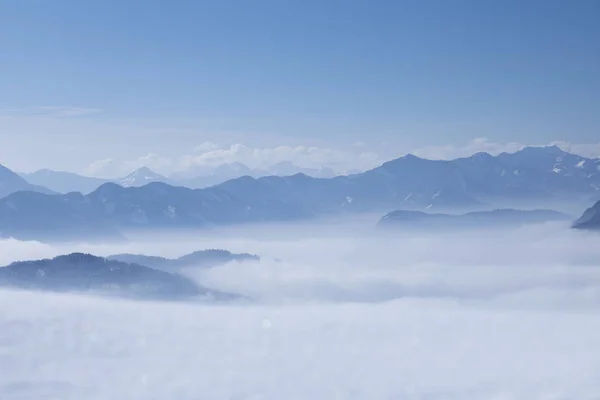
(140, 177)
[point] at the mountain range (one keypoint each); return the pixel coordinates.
(62, 181)
(533, 176)
(66, 182)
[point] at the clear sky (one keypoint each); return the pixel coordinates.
(115, 81)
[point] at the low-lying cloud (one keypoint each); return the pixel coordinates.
(352, 262)
(534, 264)
(338, 312)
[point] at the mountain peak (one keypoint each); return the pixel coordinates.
(108, 187)
(482, 155)
(479, 158)
(408, 158)
(233, 167)
(144, 171)
(78, 257)
(541, 150)
(141, 177)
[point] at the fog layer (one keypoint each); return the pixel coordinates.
(336, 312)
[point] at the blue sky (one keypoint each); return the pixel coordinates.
(138, 77)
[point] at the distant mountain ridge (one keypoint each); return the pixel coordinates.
(228, 171)
(11, 182)
(507, 169)
(66, 182)
(476, 219)
(532, 175)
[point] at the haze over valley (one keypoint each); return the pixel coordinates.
(375, 284)
(266, 200)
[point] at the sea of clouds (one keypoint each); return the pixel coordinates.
(337, 311)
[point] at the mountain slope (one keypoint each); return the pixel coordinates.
(590, 218)
(554, 171)
(197, 259)
(64, 182)
(11, 182)
(85, 272)
(36, 216)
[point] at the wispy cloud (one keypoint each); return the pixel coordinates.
(209, 155)
(590, 150)
(451, 151)
(261, 157)
(49, 112)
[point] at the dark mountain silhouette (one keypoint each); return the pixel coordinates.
(477, 219)
(79, 272)
(35, 216)
(110, 208)
(590, 218)
(197, 259)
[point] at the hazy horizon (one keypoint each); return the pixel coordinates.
(586, 151)
(201, 83)
(206, 163)
(376, 282)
